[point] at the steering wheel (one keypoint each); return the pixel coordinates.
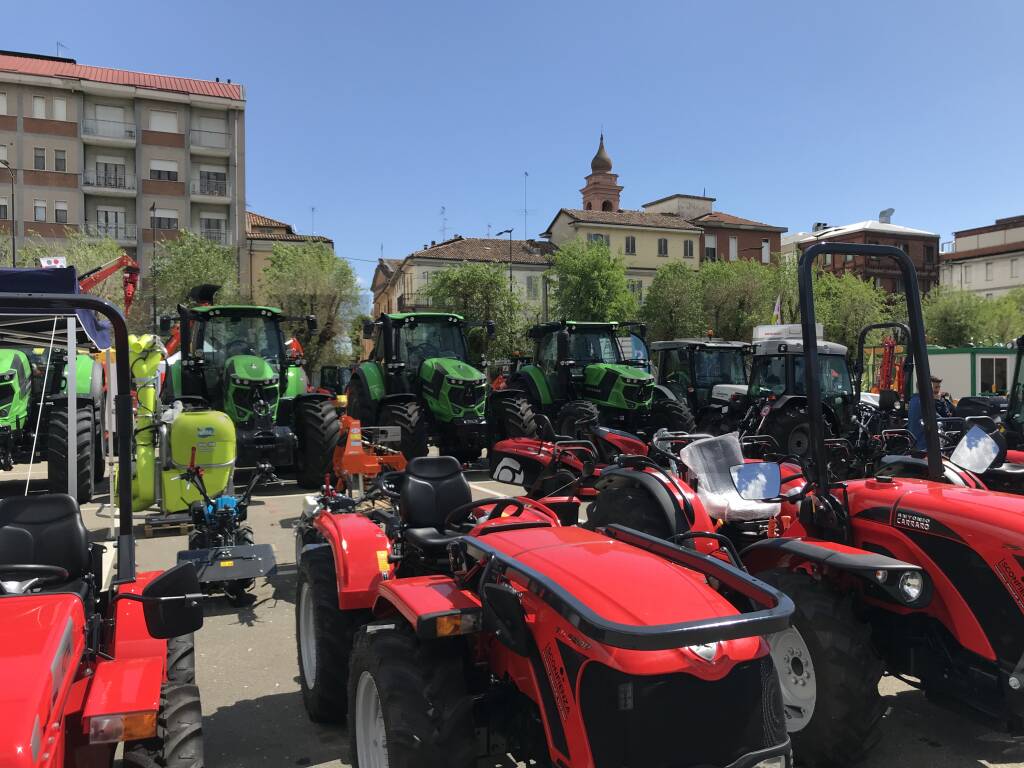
(464, 511)
(41, 574)
(245, 348)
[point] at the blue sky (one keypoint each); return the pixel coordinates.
(378, 114)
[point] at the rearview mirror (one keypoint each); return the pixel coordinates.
(165, 324)
(757, 481)
(368, 329)
(311, 324)
(976, 451)
(171, 602)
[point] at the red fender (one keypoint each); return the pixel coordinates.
(433, 605)
(361, 552)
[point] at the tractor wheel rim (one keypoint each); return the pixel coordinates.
(307, 635)
(798, 440)
(796, 677)
(371, 735)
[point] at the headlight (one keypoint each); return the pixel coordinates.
(453, 381)
(912, 586)
(236, 380)
(779, 761)
(5, 377)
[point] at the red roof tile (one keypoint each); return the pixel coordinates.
(725, 219)
(66, 68)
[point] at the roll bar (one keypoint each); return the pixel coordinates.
(65, 303)
(862, 337)
(820, 478)
(774, 615)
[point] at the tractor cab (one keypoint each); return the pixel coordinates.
(708, 374)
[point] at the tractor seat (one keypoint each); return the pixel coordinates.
(711, 460)
(433, 487)
(45, 530)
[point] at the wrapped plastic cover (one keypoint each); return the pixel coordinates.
(711, 460)
(29, 329)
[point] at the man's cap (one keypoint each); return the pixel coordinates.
(936, 379)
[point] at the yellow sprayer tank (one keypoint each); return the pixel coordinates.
(212, 434)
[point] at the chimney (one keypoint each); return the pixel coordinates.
(819, 225)
(885, 217)
(216, 79)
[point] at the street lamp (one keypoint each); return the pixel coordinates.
(14, 225)
(152, 270)
(509, 233)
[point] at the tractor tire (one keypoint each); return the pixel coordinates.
(323, 638)
(179, 732)
(412, 422)
(181, 659)
(318, 430)
(792, 431)
(575, 417)
(673, 415)
(356, 408)
(631, 507)
(829, 673)
(57, 446)
(408, 701)
(515, 417)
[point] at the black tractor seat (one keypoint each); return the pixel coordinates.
(433, 487)
(46, 530)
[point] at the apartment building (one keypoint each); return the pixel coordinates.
(988, 260)
(112, 153)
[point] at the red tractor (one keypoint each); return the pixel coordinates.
(913, 577)
(448, 630)
(93, 653)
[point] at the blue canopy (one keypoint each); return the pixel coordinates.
(17, 326)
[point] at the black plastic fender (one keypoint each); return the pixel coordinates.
(618, 477)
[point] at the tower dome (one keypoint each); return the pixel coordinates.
(601, 163)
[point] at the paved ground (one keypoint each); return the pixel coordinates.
(254, 714)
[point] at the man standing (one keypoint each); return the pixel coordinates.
(915, 421)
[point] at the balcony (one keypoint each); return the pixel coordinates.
(109, 183)
(122, 233)
(108, 132)
(410, 302)
(948, 247)
(209, 142)
(219, 236)
(213, 190)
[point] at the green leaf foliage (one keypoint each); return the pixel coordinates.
(674, 307)
(588, 282)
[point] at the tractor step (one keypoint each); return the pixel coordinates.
(167, 525)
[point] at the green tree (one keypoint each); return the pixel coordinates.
(81, 252)
(737, 295)
(309, 279)
(954, 318)
(184, 263)
(845, 303)
(674, 305)
(588, 282)
(479, 292)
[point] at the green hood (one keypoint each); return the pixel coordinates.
(457, 369)
(249, 368)
(13, 360)
(626, 371)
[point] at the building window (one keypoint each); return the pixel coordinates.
(39, 107)
(849, 258)
(989, 295)
(606, 205)
(734, 248)
(39, 210)
(162, 218)
(828, 259)
(110, 172)
(905, 247)
(636, 287)
(60, 160)
(630, 245)
(967, 273)
(39, 159)
(710, 248)
(4, 213)
(166, 122)
(60, 108)
(3, 103)
(766, 252)
(3, 151)
(988, 271)
(1013, 268)
(663, 246)
(929, 254)
(163, 170)
(213, 226)
(532, 287)
(596, 238)
(688, 249)
(993, 375)
(60, 212)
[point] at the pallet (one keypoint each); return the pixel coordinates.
(166, 525)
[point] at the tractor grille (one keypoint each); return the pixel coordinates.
(6, 394)
(467, 395)
(245, 396)
(709, 722)
(638, 393)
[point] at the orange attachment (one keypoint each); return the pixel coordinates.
(355, 457)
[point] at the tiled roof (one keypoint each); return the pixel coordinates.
(279, 230)
(629, 219)
(493, 249)
(259, 220)
(290, 237)
(69, 69)
(718, 218)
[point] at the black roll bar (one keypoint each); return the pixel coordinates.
(65, 303)
(820, 478)
(774, 616)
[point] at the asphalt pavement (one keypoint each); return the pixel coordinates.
(248, 674)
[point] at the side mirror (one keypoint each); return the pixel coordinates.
(165, 324)
(311, 324)
(562, 344)
(368, 329)
(976, 451)
(757, 481)
(171, 602)
(490, 327)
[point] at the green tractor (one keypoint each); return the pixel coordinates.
(418, 379)
(580, 375)
(233, 359)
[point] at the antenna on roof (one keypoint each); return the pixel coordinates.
(59, 46)
(488, 230)
(312, 219)
(444, 225)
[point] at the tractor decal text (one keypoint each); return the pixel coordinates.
(559, 682)
(917, 522)
(1009, 578)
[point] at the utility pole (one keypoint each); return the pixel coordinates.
(152, 271)
(444, 225)
(509, 233)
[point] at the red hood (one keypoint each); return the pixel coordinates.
(41, 641)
